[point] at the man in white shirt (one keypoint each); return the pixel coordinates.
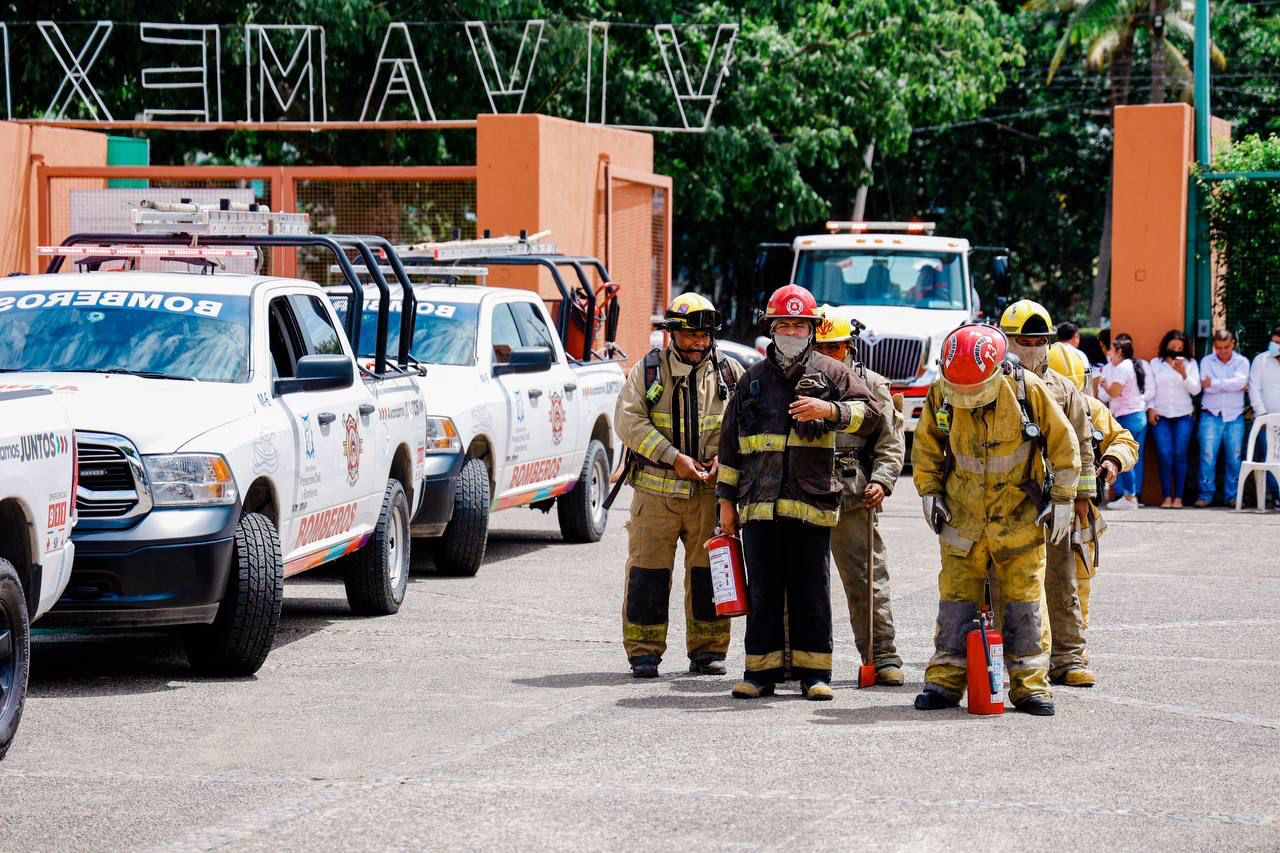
(1224, 375)
(1264, 392)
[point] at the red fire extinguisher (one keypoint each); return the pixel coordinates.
(985, 663)
(728, 575)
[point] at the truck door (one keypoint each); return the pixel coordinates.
(539, 434)
(561, 389)
(337, 495)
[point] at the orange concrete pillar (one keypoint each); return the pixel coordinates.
(1153, 152)
(1154, 149)
(535, 173)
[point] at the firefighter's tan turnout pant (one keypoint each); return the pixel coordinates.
(1017, 563)
(657, 523)
(1067, 604)
(849, 548)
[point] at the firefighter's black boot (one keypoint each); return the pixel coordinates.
(706, 666)
(1037, 705)
(645, 666)
(932, 700)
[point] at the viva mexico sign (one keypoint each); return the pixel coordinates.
(284, 71)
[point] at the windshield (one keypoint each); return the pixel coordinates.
(162, 334)
(883, 277)
(443, 333)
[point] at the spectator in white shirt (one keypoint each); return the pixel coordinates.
(1224, 375)
(1174, 380)
(1264, 393)
(1123, 386)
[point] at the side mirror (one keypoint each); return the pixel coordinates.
(1000, 272)
(526, 360)
(319, 373)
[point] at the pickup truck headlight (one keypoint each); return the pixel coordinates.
(442, 435)
(190, 479)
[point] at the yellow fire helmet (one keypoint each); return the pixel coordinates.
(691, 312)
(833, 329)
(1070, 362)
(1025, 317)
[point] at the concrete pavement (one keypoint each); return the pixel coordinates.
(497, 712)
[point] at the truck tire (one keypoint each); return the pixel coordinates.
(582, 514)
(377, 575)
(238, 641)
(15, 653)
(460, 551)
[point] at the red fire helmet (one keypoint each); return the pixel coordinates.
(792, 300)
(972, 358)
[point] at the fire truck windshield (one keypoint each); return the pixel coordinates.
(913, 279)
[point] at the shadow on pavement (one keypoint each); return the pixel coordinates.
(869, 716)
(115, 662)
(502, 545)
(75, 664)
(577, 679)
(703, 703)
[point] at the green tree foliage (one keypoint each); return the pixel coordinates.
(1032, 172)
(1244, 225)
(811, 85)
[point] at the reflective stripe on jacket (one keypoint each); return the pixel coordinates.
(1117, 442)
(876, 458)
(1072, 402)
(770, 471)
(688, 394)
(992, 458)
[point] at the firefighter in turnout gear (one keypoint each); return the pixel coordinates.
(993, 459)
(1028, 328)
(778, 478)
(669, 417)
(1116, 451)
(868, 469)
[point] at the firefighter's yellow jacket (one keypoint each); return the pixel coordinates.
(1073, 404)
(685, 417)
(877, 458)
(992, 457)
(1116, 441)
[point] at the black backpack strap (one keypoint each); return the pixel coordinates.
(652, 373)
(727, 380)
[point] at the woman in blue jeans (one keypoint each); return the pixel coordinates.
(1175, 379)
(1123, 387)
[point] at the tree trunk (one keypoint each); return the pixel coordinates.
(1121, 68)
(1158, 8)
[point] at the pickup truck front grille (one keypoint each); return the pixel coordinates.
(895, 358)
(111, 481)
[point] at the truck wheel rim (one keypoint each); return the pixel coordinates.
(599, 477)
(8, 659)
(395, 547)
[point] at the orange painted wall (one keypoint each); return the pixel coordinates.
(21, 146)
(535, 172)
(1153, 152)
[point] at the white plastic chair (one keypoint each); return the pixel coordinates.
(1260, 470)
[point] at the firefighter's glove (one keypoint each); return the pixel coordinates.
(936, 513)
(1057, 519)
(809, 430)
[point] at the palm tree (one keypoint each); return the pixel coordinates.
(1106, 31)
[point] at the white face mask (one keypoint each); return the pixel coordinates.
(789, 345)
(1273, 348)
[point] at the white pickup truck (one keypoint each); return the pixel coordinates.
(908, 287)
(536, 425)
(228, 439)
(37, 511)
